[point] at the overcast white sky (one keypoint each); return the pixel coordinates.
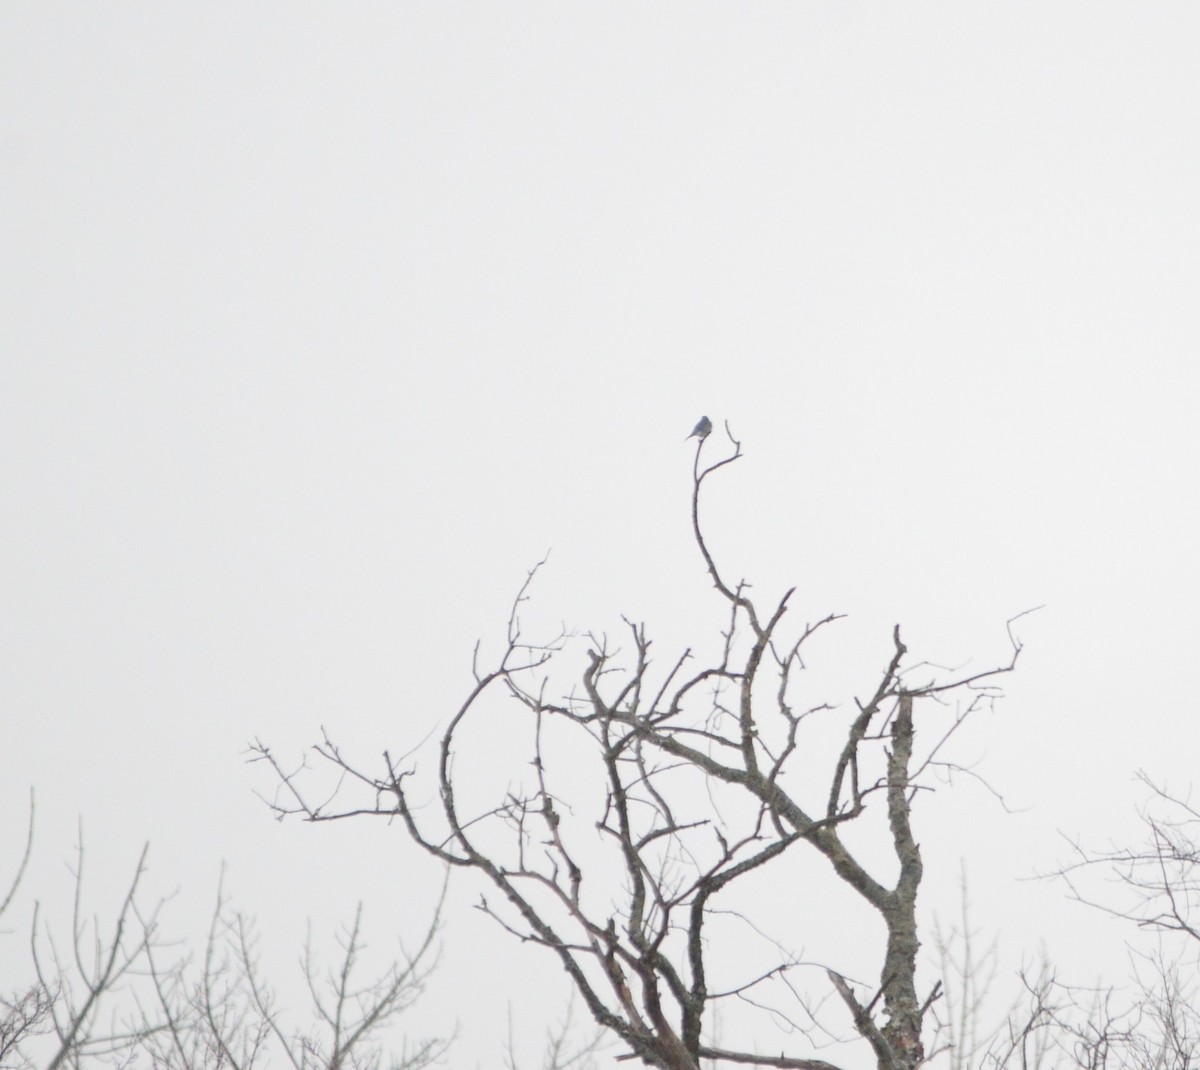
(320, 323)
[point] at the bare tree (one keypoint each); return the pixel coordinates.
(702, 779)
(226, 1014)
(962, 1026)
(25, 1014)
(62, 1018)
(564, 1049)
(116, 992)
(1149, 1025)
(1150, 1022)
(1158, 880)
(1155, 885)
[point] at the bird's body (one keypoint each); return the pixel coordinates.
(702, 429)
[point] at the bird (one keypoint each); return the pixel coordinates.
(701, 429)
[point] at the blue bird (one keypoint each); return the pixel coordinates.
(701, 429)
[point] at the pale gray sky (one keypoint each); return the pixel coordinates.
(320, 323)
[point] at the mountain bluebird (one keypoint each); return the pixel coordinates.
(701, 429)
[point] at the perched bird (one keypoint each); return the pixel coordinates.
(701, 429)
